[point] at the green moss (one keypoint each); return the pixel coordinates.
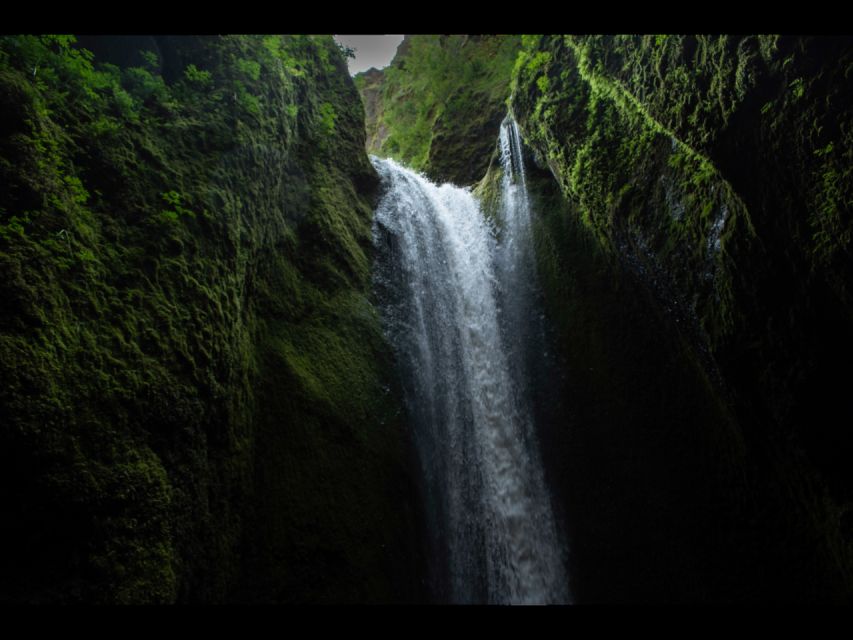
(182, 257)
(327, 117)
(710, 165)
(614, 141)
(438, 107)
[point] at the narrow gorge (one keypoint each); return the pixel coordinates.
(440, 272)
(511, 320)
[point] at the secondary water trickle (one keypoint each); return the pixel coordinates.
(452, 298)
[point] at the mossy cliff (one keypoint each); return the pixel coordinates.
(196, 401)
(710, 178)
(437, 107)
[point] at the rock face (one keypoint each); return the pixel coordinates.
(370, 88)
(713, 175)
(196, 399)
(438, 105)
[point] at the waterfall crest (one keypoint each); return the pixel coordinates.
(450, 296)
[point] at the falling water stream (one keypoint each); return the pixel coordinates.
(457, 300)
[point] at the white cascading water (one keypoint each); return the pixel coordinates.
(515, 262)
(439, 274)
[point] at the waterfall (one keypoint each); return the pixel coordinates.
(522, 321)
(441, 276)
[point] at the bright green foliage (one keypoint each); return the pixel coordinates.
(176, 209)
(248, 101)
(197, 76)
(151, 60)
(250, 68)
(327, 117)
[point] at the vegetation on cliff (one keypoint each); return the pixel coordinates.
(195, 398)
(712, 168)
(437, 107)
